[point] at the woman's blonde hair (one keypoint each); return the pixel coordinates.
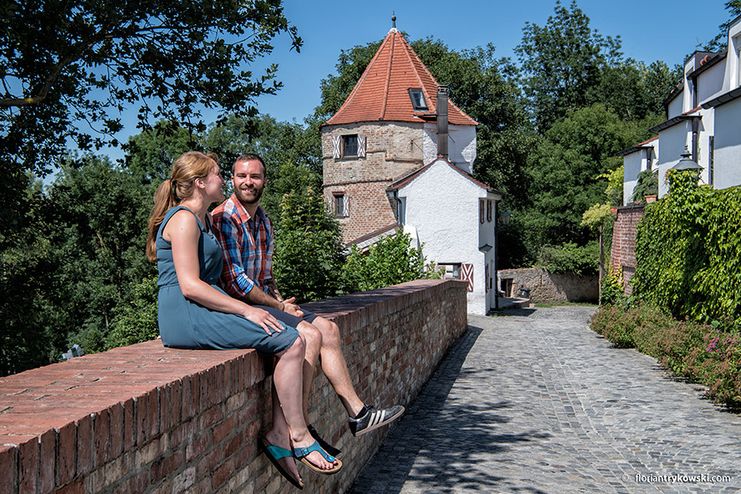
(186, 169)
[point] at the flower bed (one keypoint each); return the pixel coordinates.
(698, 352)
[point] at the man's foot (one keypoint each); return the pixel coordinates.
(371, 418)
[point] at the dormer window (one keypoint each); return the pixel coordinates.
(418, 99)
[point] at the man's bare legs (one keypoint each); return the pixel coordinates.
(335, 367)
(362, 418)
(288, 417)
(333, 363)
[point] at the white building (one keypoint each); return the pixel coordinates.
(703, 116)
(436, 205)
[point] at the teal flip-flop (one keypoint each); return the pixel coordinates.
(302, 453)
(275, 454)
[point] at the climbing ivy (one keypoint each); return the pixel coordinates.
(688, 252)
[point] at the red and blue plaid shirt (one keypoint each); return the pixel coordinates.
(247, 243)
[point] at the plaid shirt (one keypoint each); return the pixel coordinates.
(247, 243)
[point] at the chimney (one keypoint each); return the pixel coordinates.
(442, 122)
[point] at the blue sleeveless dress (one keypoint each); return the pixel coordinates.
(187, 324)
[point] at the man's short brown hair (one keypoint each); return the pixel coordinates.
(251, 157)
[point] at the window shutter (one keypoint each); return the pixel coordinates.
(336, 140)
(361, 146)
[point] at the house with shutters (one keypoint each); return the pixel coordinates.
(399, 154)
(703, 117)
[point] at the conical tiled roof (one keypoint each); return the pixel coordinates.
(382, 93)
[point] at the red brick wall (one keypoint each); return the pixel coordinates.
(145, 418)
(624, 242)
(368, 207)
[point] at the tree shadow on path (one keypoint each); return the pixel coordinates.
(450, 438)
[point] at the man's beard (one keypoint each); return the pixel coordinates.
(243, 199)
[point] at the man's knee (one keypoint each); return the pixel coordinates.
(311, 334)
(330, 331)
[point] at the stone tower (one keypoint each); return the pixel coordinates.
(389, 126)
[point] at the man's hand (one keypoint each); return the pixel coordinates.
(290, 307)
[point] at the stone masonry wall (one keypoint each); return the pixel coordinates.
(145, 418)
(624, 242)
(548, 287)
(393, 149)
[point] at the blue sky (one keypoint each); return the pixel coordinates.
(650, 30)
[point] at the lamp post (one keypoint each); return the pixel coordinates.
(687, 163)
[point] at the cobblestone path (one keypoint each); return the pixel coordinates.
(538, 403)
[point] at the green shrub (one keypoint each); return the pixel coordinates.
(390, 261)
(688, 252)
(612, 292)
(570, 258)
(698, 352)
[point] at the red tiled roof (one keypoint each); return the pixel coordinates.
(382, 93)
(647, 141)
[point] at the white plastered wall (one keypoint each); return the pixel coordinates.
(442, 206)
(461, 145)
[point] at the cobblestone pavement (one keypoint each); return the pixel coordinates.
(538, 403)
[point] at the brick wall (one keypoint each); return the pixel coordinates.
(393, 149)
(145, 418)
(624, 242)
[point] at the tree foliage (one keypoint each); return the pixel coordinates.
(69, 69)
(562, 61)
(566, 170)
(308, 250)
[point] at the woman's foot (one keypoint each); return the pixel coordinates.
(287, 463)
(304, 440)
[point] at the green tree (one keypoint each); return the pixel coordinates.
(390, 261)
(28, 323)
(634, 90)
(308, 250)
(561, 61)
(70, 68)
(151, 153)
(565, 170)
(98, 232)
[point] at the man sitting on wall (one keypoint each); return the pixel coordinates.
(246, 236)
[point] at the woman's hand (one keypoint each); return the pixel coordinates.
(263, 319)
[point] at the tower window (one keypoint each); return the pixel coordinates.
(418, 99)
(349, 145)
(340, 204)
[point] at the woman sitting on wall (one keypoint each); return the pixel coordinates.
(194, 312)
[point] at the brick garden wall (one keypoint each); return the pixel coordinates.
(624, 242)
(145, 418)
